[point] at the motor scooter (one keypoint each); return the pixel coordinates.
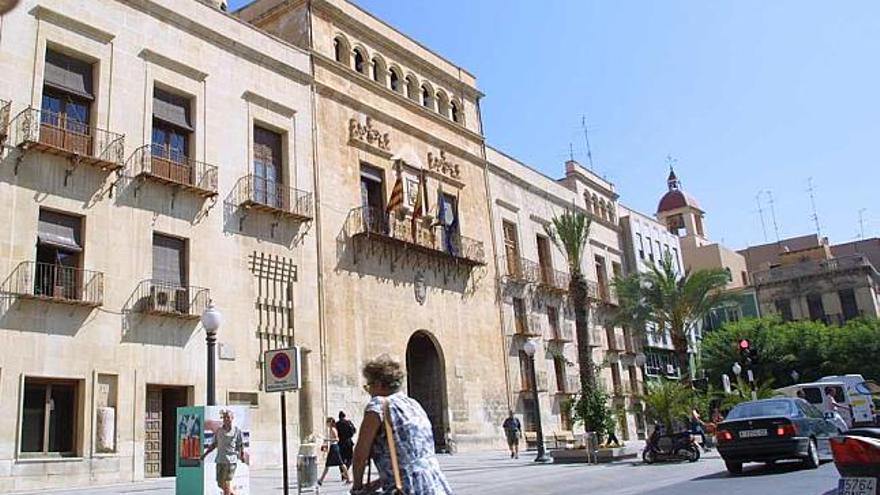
(674, 447)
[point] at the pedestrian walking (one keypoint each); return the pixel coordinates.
(346, 430)
(334, 458)
(698, 428)
(397, 433)
(610, 428)
(513, 432)
(229, 444)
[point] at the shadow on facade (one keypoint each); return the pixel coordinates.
(142, 327)
(162, 199)
(263, 226)
(54, 175)
(43, 317)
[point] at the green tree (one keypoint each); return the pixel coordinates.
(668, 400)
(591, 410)
(570, 232)
(742, 392)
(666, 299)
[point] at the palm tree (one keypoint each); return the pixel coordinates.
(665, 299)
(667, 401)
(570, 232)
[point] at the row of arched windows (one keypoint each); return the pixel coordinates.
(601, 208)
(393, 78)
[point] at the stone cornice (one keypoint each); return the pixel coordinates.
(361, 30)
(371, 85)
(601, 187)
(45, 14)
(268, 104)
(224, 42)
(172, 65)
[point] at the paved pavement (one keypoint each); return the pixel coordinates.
(495, 474)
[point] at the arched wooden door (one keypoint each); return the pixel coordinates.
(426, 382)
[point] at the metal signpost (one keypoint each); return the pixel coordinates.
(281, 372)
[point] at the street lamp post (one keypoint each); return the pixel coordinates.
(530, 349)
(211, 320)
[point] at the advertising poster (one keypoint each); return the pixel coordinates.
(213, 450)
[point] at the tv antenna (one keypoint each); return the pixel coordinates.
(587, 139)
(761, 214)
(773, 215)
(815, 215)
(862, 223)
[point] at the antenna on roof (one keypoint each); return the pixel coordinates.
(570, 152)
(761, 214)
(862, 223)
(587, 139)
(815, 215)
(773, 215)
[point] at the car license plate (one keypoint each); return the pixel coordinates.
(857, 486)
(753, 433)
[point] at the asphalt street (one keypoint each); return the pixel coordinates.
(495, 474)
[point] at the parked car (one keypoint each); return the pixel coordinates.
(770, 430)
(851, 400)
(857, 457)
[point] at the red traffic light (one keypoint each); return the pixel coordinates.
(744, 344)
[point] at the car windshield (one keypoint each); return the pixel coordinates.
(763, 408)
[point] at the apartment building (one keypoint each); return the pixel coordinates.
(533, 283)
(141, 179)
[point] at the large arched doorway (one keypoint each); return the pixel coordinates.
(426, 381)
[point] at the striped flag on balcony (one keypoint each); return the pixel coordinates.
(421, 202)
(396, 199)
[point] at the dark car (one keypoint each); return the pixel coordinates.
(770, 430)
(857, 457)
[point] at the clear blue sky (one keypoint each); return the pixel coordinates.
(748, 95)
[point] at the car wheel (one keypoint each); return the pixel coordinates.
(734, 468)
(648, 456)
(812, 459)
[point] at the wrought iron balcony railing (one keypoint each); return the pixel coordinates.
(517, 269)
(52, 282)
(5, 106)
(258, 193)
(61, 135)
(554, 280)
(161, 164)
(571, 385)
(167, 299)
(813, 268)
(563, 333)
(430, 239)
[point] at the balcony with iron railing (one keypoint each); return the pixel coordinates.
(554, 280)
(596, 337)
(519, 270)
(616, 343)
(161, 164)
(528, 327)
(56, 283)
(604, 293)
(5, 107)
(252, 192)
(571, 385)
(526, 385)
(421, 236)
(563, 333)
(61, 135)
(168, 299)
(813, 268)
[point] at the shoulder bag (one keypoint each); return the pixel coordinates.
(392, 449)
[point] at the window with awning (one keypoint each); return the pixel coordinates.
(60, 231)
(69, 75)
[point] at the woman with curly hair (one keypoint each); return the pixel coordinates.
(412, 436)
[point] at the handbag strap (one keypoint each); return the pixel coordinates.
(392, 448)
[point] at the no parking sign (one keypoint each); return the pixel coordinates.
(281, 370)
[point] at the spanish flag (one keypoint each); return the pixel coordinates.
(396, 199)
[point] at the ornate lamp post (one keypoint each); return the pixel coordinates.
(211, 320)
(530, 348)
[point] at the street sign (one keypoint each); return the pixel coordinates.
(281, 370)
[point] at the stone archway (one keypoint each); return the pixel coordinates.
(426, 381)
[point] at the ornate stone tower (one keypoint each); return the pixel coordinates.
(681, 213)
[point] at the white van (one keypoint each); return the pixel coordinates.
(860, 397)
(856, 408)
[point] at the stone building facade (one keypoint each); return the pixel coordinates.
(403, 227)
(142, 178)
(533, 289)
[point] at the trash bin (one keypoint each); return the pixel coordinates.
(306, 473)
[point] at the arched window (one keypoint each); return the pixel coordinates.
(394, 78)
(412, 88)
(379, 71)
(427, 97)
(595, 206)
(442, 104)
(360, 61)
(455, 111)
(340, 50)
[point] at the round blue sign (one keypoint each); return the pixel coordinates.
(280, 365)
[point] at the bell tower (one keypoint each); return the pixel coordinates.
(681, 213)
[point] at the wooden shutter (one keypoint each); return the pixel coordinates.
(169, 260)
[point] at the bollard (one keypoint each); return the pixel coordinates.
(306, 473)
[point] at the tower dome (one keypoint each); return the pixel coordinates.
(676, 198)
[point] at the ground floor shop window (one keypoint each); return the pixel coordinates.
(49, 417)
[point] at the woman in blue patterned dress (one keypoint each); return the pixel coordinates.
(413, 436)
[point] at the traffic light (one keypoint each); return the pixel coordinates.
(747, 352)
